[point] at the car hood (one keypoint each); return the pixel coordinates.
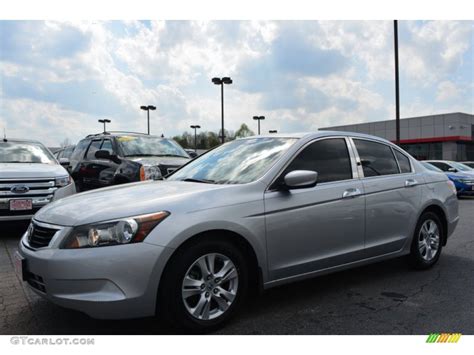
(460, 176)
(30, 170)
(174, 161)
(127, 200)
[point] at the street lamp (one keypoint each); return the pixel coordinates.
(258, 118)
(195, 127)
(273, 131)
(104, 121)
(147, 109)
(221, 82)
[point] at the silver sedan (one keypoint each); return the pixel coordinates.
(249, 215)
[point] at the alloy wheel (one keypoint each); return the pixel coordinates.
(428, 240)
(210, 286)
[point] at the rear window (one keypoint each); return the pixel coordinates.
(376, 158)
(403, 162)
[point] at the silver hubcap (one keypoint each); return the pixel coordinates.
(210, 286)
(428, 240)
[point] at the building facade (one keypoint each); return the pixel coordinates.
(448, 136)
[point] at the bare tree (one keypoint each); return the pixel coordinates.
(66, 142)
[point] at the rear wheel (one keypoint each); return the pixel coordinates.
(427, 241)
(204, 285)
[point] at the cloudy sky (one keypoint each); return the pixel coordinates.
(58, 78)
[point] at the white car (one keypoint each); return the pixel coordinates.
(30, 177)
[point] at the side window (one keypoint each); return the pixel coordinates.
(94, 147)
(442, 166)
(328, 157)
(376, 158)
(80, 149)
(68, 151)
(107, 145)
(403, 162)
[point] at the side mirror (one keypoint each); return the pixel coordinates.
(103, 154)
(64, 162)
(300, 179)
(453, 170)
(192, 154)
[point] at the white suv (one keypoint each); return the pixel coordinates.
(30, 177)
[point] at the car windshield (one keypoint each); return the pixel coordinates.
(237, 162)
(460, 167)
(431, 167)
(25, 152)
(150, 146)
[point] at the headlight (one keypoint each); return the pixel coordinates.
(62, 181)
(149, 172)
(116, 232)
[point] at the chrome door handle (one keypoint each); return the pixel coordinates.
(411, 182)
(351, 193)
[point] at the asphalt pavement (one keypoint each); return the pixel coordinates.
(383, 298)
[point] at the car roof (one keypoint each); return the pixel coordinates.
(318, 134)
(17, 140)
(120, 134)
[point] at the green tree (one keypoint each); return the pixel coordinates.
(244, 131)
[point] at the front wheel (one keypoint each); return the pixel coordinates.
(204, 285)
(427, 241)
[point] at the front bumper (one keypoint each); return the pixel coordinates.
(113, 282)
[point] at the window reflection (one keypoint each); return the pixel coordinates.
(237, 162)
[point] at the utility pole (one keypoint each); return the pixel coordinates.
(397, 83)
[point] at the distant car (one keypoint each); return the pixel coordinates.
(192, 153)
(464, 183)
(114, 158)
(468, 163)
(451, 166)
(63, 155)
(30, 178)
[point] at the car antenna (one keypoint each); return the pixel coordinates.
(5, 135)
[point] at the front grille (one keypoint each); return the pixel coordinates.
(40, 237)
(39, 191)
(35, 281)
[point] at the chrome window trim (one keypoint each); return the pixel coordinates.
(290, 160)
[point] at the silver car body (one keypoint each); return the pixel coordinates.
(37, 181)
(307, 232)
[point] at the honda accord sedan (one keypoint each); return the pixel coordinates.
(249, 215)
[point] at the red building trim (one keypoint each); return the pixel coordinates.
(435, 139)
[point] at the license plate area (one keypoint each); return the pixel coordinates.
(21, 205)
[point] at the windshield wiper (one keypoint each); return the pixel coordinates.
(171, 155)
(204, 181)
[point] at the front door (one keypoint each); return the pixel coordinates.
(315, 228)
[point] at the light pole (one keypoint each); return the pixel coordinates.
(147, 109)
(273, 131)
(258, 118)
(104, 121)
(195, 127)
(397, 83)
(221, 82)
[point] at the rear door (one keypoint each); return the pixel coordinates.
(318, 227)
(393, 195)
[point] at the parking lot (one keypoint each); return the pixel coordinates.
(384, 298)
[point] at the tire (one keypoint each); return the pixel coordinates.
(188, 262)
(427, 241)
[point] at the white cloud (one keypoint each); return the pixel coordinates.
(447, 90)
